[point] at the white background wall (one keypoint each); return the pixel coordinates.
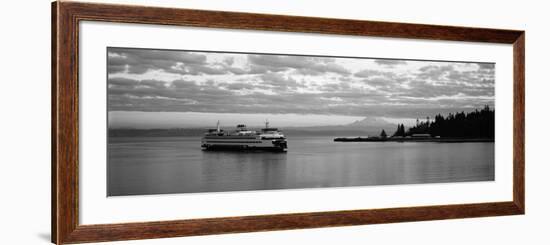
(25, 121)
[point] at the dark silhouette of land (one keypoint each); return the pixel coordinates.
(476, 126)
(411, 139)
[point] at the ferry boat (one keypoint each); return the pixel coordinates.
(270, 139)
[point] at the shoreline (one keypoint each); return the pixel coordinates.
(437, 140)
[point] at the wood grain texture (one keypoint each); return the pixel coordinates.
(65, 121)
(234, 20)
(194, 227)
(519, 122)
(54, 123)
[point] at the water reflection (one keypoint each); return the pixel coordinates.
(177, 165)
(243, 171)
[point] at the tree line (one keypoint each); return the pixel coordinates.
(476, 124)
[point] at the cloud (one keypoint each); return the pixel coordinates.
(123, 82)
(372, 73)
(252, 83)
(139, 61)
(188, 96)
(388, 62)
(381, 83)
(279, 81)
(434, 72)
(238, 86)
(301, 64)
(488, 66)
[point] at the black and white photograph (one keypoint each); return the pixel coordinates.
(273, 122)
(192, 121)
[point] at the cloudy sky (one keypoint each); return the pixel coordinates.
(165, 88)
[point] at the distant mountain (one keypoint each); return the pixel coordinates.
(371, 122)
(365, 127)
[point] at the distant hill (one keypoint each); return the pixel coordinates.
(365, 127)
(371, 122)
(343, 132)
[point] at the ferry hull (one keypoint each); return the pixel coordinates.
(242, 148)
(213, 144)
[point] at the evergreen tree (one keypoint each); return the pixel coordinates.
(476, 124)
(383, 134)
(398, 131)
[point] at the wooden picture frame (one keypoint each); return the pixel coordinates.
(65, 121)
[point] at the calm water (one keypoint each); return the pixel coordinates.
(159, 165)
